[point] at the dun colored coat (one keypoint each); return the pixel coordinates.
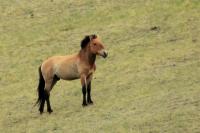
(70, 67)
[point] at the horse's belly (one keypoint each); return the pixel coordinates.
(70, 76)
(68, 73)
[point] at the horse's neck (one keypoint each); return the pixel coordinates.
(87, 56)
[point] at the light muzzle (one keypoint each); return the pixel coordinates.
(103, 53)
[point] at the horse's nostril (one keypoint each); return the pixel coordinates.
(105, 54)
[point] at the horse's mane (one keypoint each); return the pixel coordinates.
(87, 39)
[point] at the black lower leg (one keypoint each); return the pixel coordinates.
(89, 100)
(48, 102)
(41, 109)
(84, 95)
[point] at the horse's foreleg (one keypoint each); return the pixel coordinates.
(89, 80)
(84, 89)
(89, 100)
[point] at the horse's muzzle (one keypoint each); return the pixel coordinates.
(103, 53)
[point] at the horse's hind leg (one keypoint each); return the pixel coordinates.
(48, 88)
(45, 96)
(41, 109)
(48, 104)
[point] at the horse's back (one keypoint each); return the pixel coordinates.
(64, 67)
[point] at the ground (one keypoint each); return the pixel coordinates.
(150, 82)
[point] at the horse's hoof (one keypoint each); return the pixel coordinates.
(41, 111)
(50, 111)
(84, 104)
(90, 102)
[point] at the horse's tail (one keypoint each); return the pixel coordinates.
(40, 88)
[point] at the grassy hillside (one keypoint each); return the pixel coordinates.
(150, 83)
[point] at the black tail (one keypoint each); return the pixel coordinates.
(40, 87)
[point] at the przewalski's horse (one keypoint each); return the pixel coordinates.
(77, 66)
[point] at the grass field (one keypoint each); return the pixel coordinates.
(150, 83)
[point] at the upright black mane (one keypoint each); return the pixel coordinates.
(87, 39)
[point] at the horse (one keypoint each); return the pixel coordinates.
(80, 65)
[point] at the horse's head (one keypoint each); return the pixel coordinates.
(95, 45)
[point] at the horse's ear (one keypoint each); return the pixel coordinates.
(85, 41)
(93, 36)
